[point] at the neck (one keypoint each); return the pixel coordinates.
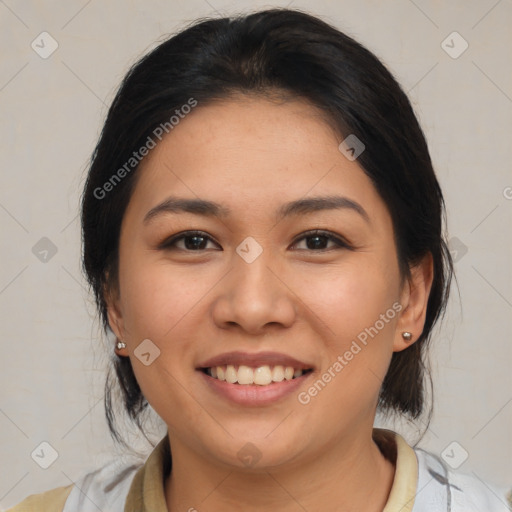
(351, 475)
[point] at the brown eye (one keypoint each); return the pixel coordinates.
(317, 241)
(193, 241)
(197, 241)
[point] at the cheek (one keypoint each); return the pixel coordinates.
(350, 299)
(158, 303)
(356, 309)
(156, 297)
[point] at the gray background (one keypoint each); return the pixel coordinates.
(53, 356)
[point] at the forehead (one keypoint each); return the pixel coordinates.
(252, 151)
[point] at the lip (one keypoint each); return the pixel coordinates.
(255, 360)
(252, 395)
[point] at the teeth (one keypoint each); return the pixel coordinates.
(231, 374)
(245, 375)
(278, 374)
(261, 376)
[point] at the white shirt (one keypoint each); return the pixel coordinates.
(422, 483)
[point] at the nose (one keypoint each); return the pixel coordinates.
(255, 296)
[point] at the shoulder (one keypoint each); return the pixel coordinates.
(49, 501)
(442, 488)
(103, 489)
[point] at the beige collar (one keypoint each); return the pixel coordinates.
(147, 492)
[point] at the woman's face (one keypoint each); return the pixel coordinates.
(254, 289)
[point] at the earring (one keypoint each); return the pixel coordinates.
(120, 345)
(407, 336)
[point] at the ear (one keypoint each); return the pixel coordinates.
(115, 317)
(414, 300)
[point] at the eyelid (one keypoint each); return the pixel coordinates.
(340, 241)
(169, 242)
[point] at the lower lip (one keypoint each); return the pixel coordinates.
(252, 394)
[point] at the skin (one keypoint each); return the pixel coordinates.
(251, 154)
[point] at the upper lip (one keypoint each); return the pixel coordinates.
(255, 360)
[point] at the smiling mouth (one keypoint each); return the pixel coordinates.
(260, 376)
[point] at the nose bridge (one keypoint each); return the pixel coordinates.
(254, 296)
(252, 278)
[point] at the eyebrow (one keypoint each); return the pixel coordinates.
(213, 209)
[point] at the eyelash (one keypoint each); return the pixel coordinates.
(169, 244)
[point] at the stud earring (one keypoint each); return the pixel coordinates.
(120, 345)
(407, 336)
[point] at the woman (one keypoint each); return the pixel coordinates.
(263, 233)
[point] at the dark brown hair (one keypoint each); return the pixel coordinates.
(301, 56)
